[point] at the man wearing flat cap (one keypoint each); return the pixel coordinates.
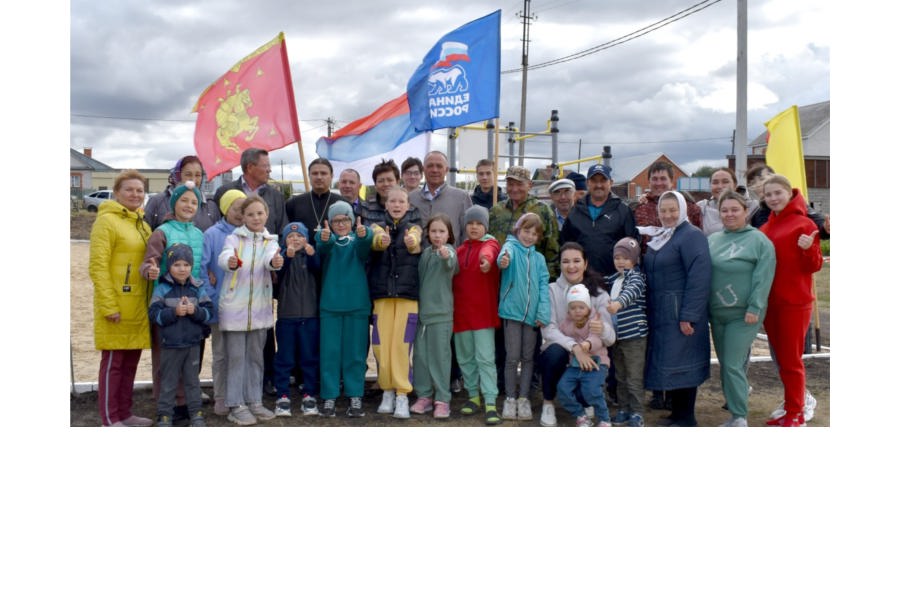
(599, 220)
(562, 196)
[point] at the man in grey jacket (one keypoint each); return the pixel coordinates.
(436, 196)
(255, 170)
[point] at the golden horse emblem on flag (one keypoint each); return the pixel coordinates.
(232, 118)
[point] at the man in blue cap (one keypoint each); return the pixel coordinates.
(580, 184)
(599, 220)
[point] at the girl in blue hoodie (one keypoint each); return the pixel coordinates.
(524, 306)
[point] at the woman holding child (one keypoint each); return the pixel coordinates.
(556, 347)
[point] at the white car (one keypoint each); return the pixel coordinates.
(93, 200)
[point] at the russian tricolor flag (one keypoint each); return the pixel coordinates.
(386, 133)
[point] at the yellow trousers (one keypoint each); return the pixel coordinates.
(393, 333)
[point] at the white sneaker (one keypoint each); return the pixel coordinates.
(523, 406)
(261, 412)
(401, 407)
(283, 407)
(778, 412)
(387, 402)
(589, 412)
(309, 405)
(548, 415)
(809, 407)
(735, 422)
(241, 415)
(509, 409)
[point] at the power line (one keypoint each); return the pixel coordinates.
(633, 143)
(557, 5)
(625, 38)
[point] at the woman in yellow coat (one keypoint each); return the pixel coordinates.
(121, 297)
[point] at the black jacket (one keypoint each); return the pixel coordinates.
(486, 199)
(373, 212)
(311, 209)
(394, 272)
(598, 237)
(297, 287)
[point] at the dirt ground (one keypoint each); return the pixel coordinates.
(766, 395)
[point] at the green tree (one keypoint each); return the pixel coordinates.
(704, 171)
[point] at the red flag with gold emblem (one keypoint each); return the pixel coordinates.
(250, 106)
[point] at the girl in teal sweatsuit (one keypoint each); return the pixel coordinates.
(432, 356)
(344, 308)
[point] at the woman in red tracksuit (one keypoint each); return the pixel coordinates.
(798, 255)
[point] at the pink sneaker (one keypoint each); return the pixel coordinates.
(136, 421)
(604, 424)
(441, 410)
(422, 406)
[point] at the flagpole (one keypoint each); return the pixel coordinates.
(303, 167)
(295, 122)
(496, 158)
(818, 329)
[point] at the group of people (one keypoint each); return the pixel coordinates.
(502, 292)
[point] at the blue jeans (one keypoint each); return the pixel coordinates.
(298, 344)
(590, 383)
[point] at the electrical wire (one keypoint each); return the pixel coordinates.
(621, 40)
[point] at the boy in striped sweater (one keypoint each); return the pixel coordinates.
(629, 309)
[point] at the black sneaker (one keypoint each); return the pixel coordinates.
(197, 419)
(327, 409)
(355, 410)
(660, 401)
(182, 417)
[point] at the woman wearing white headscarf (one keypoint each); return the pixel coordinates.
(679, 271)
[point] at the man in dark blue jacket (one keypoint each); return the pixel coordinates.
(599, 220)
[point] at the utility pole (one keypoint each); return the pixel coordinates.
(330, 122)
(740, 143)
(526, 27)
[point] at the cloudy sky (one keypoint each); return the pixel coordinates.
(137, 68)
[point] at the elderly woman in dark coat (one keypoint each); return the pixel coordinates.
(679, 271)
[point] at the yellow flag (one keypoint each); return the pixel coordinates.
(784, 152)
